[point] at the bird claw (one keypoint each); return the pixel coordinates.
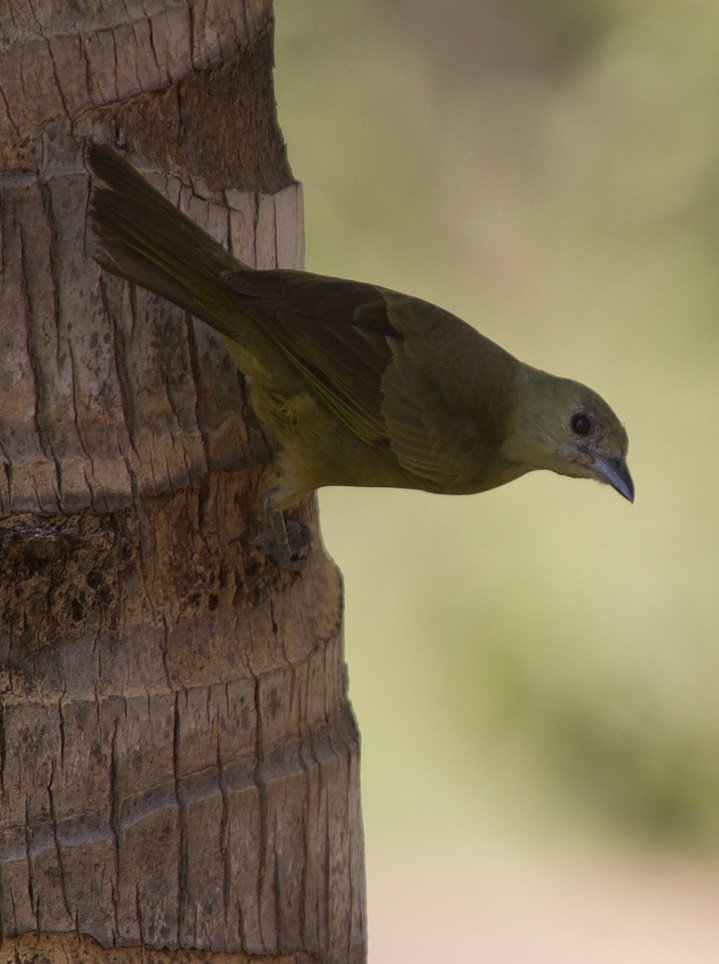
(288, 539)
(298, 535)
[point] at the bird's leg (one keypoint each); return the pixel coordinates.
(287, 539)
(298, 534)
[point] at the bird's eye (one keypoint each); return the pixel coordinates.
(581, 424)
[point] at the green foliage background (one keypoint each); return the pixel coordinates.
(544, 654)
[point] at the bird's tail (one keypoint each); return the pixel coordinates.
(148, 241)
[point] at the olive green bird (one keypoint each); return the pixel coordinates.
(357, 384)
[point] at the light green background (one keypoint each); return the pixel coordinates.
(540, 662)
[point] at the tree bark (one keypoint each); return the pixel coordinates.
(178, 757)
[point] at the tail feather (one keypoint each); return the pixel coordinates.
(148, 241)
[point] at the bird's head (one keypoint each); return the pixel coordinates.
(564, 426)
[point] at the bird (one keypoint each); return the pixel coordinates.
(356, 384)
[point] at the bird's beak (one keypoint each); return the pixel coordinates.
(615, 473)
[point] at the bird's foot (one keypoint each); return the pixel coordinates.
(288, 539)
(298, 535)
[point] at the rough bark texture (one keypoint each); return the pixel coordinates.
(178, 759)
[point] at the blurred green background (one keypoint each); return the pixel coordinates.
(540, 661)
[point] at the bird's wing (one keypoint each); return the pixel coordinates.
(334, 332)
(347, 340)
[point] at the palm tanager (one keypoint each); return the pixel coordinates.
(357, 384)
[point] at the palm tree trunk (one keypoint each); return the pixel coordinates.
(178, 757)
